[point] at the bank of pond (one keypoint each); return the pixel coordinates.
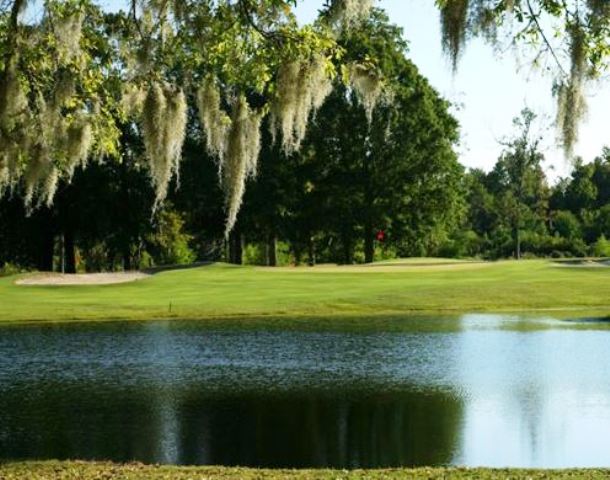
(104, 470)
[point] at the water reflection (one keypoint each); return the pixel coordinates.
(475, 390)
(297, 430)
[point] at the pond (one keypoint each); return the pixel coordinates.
(476, 390)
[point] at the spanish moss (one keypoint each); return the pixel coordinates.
(454, 21)
(243, 148)
(214, 121)
(164, 118)
(368, 87)
(79, 138)
(68, 32)
(132, 100)
(302, 88)
(350, 12)
(571, 103)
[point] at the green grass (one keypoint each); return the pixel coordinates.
(98, 471)
(223, 291)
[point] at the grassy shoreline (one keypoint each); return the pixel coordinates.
(221, 292)
(54, 470)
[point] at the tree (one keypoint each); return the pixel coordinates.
(394, 169)
(71, 77)
(519, 178)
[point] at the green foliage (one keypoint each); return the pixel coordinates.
(70, 78)
(9, 269)
(601, 247)
(566, 224)
(169, 244)
(126, 94)
(258, 254)
(462, 244)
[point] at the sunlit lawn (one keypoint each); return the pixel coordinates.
(222, 291)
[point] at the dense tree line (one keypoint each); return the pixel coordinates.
(373, 178)
(366, 167)
(513, 210)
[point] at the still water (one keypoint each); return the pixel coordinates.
(477, 390)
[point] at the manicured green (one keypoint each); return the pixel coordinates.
(223, 291)
(97, 471)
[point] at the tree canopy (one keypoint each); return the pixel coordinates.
(72, 74)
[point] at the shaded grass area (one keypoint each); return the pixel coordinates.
(224, 291)
(97, 471)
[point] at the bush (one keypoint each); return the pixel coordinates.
(256, 254)
(601, 248)
(566, 225)
(463, 244)
(170, 243)
(9, 269)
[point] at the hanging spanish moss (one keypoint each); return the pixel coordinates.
(214, 121)
(40, 178)
(65, 89)
(13, 112)
(9, 164)
(350, 12)
(79, 140)
(13, 101)
(483, 19)
(164, 118)
(132, 100)
(368, 86)
(454, 22)
(302, 88)
(571, 103)
(243, 148)
(68, 32)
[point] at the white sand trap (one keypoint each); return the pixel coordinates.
(81, 278)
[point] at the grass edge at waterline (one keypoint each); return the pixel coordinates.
(73, 470)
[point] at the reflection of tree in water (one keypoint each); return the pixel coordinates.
(298, 429)
(84, 421)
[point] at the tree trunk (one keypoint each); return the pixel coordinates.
(297, 252)
(127, 265)
(369, 242)
(311, 252)
(518, 243)
(69, 252)
(348, 253)
(272, 251)
(369, 197)
(45, 263)
(236, 247)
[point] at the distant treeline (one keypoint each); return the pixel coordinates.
(102, 221)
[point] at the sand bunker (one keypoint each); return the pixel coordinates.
(82, 278)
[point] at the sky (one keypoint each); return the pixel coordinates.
(490, 90)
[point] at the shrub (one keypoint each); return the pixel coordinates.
(601, 248)
(9, 269)
(567, 225)
(170, 243)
